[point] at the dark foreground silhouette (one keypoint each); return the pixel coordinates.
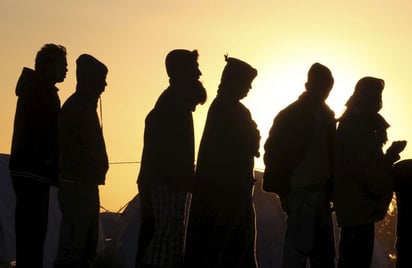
(83, 166)
(34, 154)
(299, 160)
(167, 167)
(221, 228)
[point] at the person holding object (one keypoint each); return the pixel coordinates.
(363, 185)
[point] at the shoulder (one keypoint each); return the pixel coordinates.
(229, 108)
(73, 105)
(351, 123)
(354, 131)
(292, 112)
(73, 99)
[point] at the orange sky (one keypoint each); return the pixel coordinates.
(279, 38)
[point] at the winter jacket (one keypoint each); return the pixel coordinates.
(34, 150)
(83, 150)
(168, 152)
(363, 183)
(224, 172)
(291, 137)
(229, 144)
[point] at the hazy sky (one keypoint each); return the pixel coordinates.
(281, 39)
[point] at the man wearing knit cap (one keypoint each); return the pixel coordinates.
(221, 229)
(84, 164)
(167, 166)
(298, 159)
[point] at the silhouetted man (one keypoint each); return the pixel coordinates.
(34, 151)
(221, 229)
(167, 168)
(299, 158)
(83, 166)
(362, 172)
(402, 175)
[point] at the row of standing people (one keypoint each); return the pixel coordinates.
(300, 158)
(310, 163)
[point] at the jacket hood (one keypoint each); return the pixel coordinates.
(28, 79)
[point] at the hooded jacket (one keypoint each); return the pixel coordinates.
(229, 144)
(83, 150)
(224, 173)
(34, 150)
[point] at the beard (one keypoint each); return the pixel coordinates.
(199, 94)
(193, 93)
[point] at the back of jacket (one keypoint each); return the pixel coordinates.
(290, 138)
(34, 151)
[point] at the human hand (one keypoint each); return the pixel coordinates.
(397, 147)
(392, 154)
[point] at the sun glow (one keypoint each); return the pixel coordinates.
(279, 84)
(280, 39)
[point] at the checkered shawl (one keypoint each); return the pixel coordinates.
(167, 246)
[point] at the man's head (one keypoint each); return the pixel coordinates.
(367, 94)
(91, 74)
(182, 65)
(51, 63)
(320, 80)
(237, 77)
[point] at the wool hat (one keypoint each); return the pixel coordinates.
(236, 70)
(319, 75)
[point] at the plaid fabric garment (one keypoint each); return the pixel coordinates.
(167, 246)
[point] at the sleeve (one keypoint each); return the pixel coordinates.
(276, 177)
